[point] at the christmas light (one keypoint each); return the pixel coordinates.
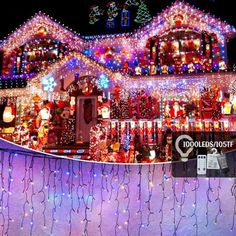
(49, 84)
(103, 81)
(29, 29)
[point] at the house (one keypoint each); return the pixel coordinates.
(171, 73)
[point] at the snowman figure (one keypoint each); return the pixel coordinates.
(222, 65)
(138, 70)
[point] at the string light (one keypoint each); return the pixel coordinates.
(131, 43)
(90, 186)
(103, 82)
(49, 84)
(28, 30)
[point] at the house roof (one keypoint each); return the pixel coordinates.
(29, 29)
(193, 18)
(85, 64)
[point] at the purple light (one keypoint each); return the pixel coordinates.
(88, 198)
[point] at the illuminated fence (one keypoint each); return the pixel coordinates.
(151, 131)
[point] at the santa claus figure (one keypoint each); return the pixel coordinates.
(164, 69)
(42, 123)
(176, 110)
(125, 67)
(191, 67)
(152, 68)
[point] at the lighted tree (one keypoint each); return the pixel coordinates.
(143, 14)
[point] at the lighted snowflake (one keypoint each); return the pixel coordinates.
(49, 84)
(103, 82)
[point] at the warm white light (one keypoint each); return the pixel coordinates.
(227, 108)
(105, 113)
(7, 115)
(152, 155)
(45, 114)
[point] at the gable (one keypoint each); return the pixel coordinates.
(28, 30)
(182, 15)
(124, 51)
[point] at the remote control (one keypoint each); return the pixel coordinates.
(201, 164)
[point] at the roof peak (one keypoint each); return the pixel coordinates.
(185, 7)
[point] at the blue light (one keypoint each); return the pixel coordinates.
(103, 82)
(125, 18)
(49, 84)
(126, 145)
(74, 63)
(88, 52)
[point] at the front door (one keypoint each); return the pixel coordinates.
(86, 117)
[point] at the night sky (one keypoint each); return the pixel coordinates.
(74, 14)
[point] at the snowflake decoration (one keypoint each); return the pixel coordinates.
(103, 82)
(49, 84)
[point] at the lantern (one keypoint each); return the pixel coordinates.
(227, 108)
(198, 126)
(207, 126)
(216, 125)
(177, 125)
(226, 125)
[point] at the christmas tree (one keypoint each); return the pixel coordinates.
(143, 14)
